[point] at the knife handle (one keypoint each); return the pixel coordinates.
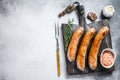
(58, 63)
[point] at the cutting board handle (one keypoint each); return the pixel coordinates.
(81, 14)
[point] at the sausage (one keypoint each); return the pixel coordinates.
(72, 48)
(83, 48)
(92, 61)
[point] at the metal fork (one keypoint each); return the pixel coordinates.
(57, 51)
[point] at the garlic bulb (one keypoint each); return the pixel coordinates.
(108, 11)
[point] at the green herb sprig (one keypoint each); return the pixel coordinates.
(68, 33)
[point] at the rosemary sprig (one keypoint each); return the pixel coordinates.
(68, 33)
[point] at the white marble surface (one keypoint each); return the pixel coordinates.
(27, 41)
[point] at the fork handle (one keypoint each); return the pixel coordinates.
(58, 62)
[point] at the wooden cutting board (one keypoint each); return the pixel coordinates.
(106, 43)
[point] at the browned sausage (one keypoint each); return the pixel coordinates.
(83, 48)
(95, 47)
(72, 48)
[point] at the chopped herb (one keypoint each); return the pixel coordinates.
(68, 33)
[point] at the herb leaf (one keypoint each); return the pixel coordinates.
(68, 33)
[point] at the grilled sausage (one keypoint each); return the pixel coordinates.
(72, 48)
(95, 47)
(83, 48)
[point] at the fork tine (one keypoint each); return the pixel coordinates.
(58, 28)
(55, 29)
